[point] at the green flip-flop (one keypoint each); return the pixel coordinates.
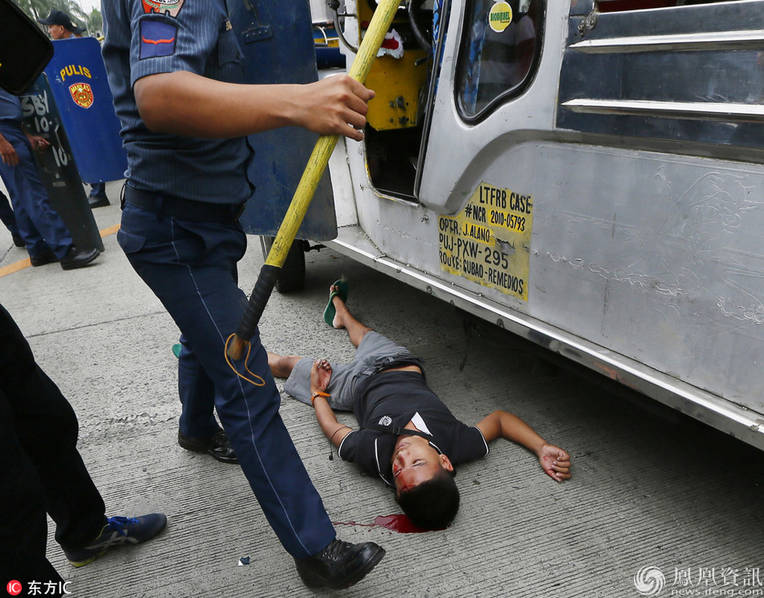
(176, 350)
(341, 291)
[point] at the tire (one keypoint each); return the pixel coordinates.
(292, 275)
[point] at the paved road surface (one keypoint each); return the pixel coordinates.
(650, 487)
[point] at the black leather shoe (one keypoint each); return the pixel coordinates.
(95, 201)
(46, 257)
(77, 258)
(18, 240)
(217, 445)
(339, 565)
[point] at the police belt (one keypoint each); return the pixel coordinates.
(182, 209)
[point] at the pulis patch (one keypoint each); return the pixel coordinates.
(157, 38)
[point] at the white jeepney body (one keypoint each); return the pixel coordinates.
(606, 203)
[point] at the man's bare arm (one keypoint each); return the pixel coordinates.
(331, 428)
(184, 103)
(500, 424)
(320, 374)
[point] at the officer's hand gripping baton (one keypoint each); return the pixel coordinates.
(372, 40)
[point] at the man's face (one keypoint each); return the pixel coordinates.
(415, 461)
(58, 32)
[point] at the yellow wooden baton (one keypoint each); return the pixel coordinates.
(303, 195)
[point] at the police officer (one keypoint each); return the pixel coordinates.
(46, 238)
(175, 72)
(61, 26)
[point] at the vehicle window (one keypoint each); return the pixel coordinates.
(623, 5)
(500, 48)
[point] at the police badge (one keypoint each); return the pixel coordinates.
(82, 94)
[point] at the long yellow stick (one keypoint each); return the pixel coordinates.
(303, 195)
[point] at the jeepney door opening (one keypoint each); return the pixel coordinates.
(500, 48)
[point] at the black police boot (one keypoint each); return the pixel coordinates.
(98, 201)
(339, 565)
(77, 258)
(216, 445)
(46, 257)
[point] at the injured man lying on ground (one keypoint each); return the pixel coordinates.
(407, 435)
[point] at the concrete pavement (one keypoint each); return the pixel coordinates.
(650, 486)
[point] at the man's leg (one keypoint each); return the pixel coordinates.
(344, 319)
(197, 395)
(33, 240)
(191, 268)
(97, 197)
(46, 428)
(198, 429)
(7, 217)
(30, 200)
(24, 532)
(47, 431)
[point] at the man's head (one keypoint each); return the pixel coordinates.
(424, 483)
(60, 25)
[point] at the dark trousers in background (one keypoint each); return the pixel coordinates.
(97, 190)
(6, 215)
(38, 223)
(40, 468)
(191, 267)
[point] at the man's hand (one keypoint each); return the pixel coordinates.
(555, 462)
(334, 106)
(320, 374)
(8, 152)
(38, 143)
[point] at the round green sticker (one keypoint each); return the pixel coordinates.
(500, 16)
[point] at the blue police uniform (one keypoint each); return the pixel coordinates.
(38, 223)
(181, 235)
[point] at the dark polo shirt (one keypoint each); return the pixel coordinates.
(387, 402)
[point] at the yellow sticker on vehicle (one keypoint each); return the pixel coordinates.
(500, 16)
(489, 242)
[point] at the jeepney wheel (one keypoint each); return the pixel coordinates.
(292, 275)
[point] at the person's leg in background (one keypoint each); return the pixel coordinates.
(47, 238)
(9, 220)
(198, 430)
(39, 225)
(97, 197)
(24, 531)
(46, 429)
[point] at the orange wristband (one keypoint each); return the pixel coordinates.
(326, 395)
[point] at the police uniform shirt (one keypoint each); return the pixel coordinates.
(148, 37)
(388, 401)
(10, 107)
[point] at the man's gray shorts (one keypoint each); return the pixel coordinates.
(374, 351)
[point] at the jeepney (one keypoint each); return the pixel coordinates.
(588, 175)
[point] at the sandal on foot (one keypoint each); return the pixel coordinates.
(339, 289)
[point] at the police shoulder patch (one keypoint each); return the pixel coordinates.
(163, 7)
(157, 38)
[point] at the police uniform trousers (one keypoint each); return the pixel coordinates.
(191, 267)
(40, 467)
(38, 223)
